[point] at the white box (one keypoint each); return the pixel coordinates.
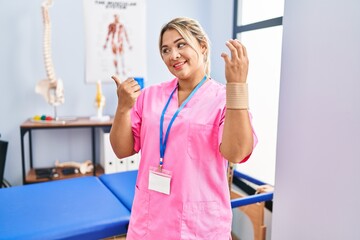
(133, 162)
(108, 159)
(121, 165)
(110, 162)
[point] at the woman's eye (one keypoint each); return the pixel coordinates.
(181, 45)
(165, 50)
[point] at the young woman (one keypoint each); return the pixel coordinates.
(187, 129)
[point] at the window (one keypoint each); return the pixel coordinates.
(258, 25)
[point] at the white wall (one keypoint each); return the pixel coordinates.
(318, 150)
(21, 67)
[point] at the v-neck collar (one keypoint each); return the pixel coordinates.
(174, 104)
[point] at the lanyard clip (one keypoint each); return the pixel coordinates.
(160, 165)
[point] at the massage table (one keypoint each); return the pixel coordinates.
(77, 208)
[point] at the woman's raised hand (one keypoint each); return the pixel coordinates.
(236, 66)
(128, 91)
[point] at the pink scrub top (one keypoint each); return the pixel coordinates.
(198, 206)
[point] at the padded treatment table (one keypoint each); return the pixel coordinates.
(122, 185)
(77, 208)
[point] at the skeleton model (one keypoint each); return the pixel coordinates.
(99, 100)
(85, 167)
(99, 104)
(50, 88)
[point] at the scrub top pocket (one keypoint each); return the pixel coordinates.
(202, 138)
(200, 220)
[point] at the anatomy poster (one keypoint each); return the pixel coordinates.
(114, 39)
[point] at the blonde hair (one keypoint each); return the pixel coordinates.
(190, 30)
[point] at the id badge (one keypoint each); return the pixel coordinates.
(159, 181)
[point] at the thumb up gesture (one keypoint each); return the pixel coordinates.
(128, 91)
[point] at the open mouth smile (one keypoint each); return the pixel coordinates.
(179, 65)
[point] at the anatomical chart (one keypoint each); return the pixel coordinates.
(115, 40)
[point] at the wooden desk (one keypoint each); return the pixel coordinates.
(81, 122)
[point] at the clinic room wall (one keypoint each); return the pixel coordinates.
(317, 168)
(21, 67)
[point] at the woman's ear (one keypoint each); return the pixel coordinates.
(203, 48)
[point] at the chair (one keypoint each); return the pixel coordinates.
(3, 151)
(255, 212)
(252, 206)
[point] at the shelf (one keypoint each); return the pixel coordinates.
(31, 176)
(27, 127)
(78, 122)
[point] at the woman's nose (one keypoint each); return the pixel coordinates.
(175, 54)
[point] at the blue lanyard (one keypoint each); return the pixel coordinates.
(164, 141)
